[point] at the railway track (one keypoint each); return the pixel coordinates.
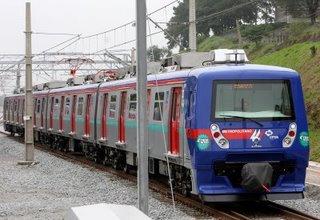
(234, 211)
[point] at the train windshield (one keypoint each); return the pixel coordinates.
(252, 99)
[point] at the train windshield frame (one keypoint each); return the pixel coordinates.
(261, 100)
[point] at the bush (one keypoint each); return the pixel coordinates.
(255, 33)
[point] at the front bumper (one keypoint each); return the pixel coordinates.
(251, 197)
(232, 170)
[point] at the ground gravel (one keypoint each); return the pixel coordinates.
(311, 203)
(49, 189)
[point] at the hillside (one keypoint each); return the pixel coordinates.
(298, 57)
(299, 51)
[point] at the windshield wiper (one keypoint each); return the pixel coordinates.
(235, 116)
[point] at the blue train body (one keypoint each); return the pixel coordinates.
(217, 168)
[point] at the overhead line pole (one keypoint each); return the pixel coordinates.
(142, 148)
(192, 26)
(28, 95)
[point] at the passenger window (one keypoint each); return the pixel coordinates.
(67, 107)
(18, 106)
(158, 106)
(15, 106)
(56, 103)
(38, 105)
(132, 106)
(113, 106)
(42, 106)
(23, 106)
(80, 106)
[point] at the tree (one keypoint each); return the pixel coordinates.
(155, 53)
(216, 16)
(300, 8)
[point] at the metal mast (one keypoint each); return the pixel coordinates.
(28, 95)
(143, 178)
(192, 26)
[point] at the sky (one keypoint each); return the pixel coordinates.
(85, 17)
(72, 16)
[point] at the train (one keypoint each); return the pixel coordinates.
(231, 132)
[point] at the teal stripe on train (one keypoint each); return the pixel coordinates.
(155, 127)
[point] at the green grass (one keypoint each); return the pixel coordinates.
(215, 42)
(294, 57)
(315, 145)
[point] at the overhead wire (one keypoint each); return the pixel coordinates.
(54, 34)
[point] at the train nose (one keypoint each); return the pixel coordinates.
(257, 177)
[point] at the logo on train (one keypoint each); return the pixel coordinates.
(255, 137)
(304, 139)
(270, 135)
(203, 142)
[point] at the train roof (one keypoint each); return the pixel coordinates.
(228, 70)
(233, 70)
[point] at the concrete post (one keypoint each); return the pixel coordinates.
(142, 141)
(28, 95)
(192, 26)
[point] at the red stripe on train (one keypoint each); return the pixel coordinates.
(230, 134)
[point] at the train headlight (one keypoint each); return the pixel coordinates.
(220, 140)
(291, 136)
(287, 141)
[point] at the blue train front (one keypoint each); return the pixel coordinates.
(247, 133)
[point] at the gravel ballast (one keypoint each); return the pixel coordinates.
(310, 204)
(48, 189)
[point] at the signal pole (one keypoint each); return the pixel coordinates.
(192, 26)
(28, 94)
(142, 148)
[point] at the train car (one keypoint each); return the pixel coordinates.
(247, 132)
(13, 110)
(230, 132)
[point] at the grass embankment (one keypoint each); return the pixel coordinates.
(298, 57)
(294, 53)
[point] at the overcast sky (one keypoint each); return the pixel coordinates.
(68, 16)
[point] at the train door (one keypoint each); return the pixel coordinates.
(8, 110)
(73, 114)
(174, 122)
(22, 111)
(18, 112)
(34, 112)
(112, 121)
(38, 113)
(104, 132)
(121, 120)
(51, 113)
(12, 111)
(87, 116)
(61, 114)
(131, 121)
(4, 116)
(42, 112)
